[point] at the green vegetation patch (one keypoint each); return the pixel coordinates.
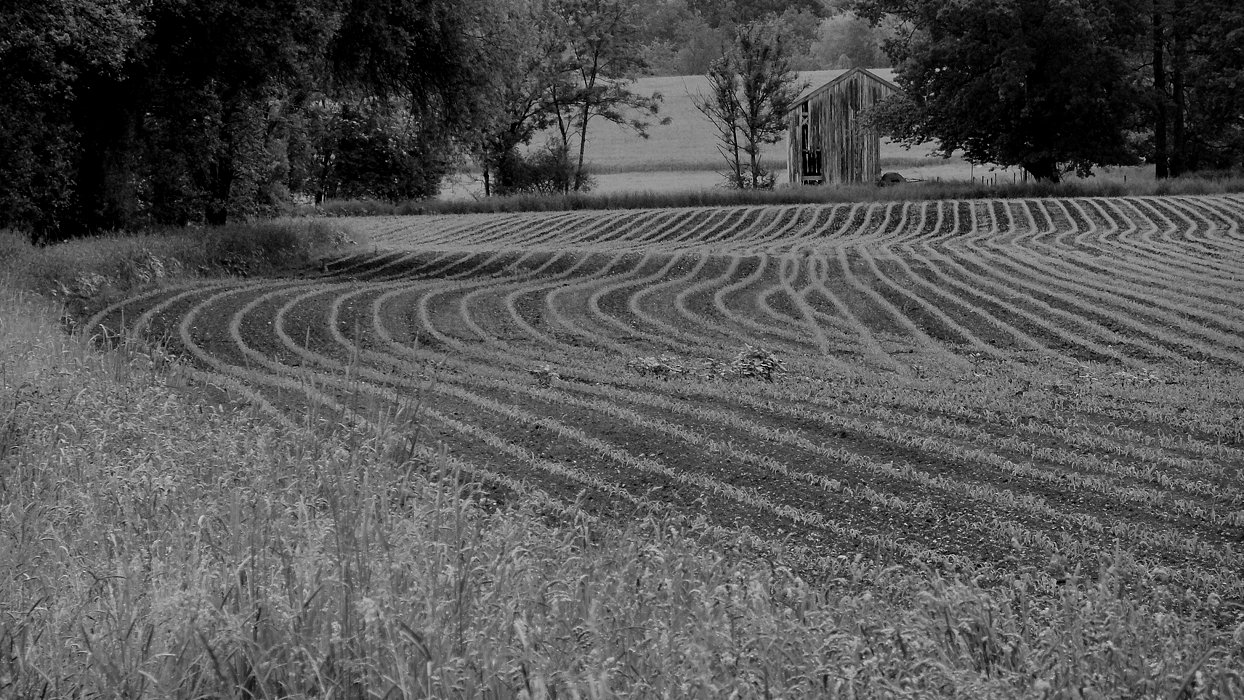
(90, 272)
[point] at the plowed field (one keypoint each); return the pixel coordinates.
(984, 386)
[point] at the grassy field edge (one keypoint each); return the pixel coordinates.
(722, 197)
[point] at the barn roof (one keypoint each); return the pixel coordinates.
(819, 80)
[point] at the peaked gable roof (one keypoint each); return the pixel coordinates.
(824, 79)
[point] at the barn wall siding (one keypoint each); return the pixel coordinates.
(847, 152)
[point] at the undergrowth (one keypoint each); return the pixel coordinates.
(94, 271)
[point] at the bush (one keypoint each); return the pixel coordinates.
(546, 171)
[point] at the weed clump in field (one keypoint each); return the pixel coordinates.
(749, 363)
(753, 362)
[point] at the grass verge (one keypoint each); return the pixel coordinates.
(87, 272)
(157, 546)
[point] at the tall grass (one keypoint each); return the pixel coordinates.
(91, 271)
(158, 543)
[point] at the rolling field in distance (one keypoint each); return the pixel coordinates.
(1018, 389)
(682, 155)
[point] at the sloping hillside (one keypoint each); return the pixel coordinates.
(688, 142)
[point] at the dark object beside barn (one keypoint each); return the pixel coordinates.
(827, 141)
(890, 180)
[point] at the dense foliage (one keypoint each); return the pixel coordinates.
(123, 113)
(1196, 77)
(1059, 86)
(118, 114)
(683, 37)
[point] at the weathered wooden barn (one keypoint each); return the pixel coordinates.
(826, 141)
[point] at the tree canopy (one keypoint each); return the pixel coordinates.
(121, 113)
(1065, 85)
(1042, 84)
(1195, 79)
(751, 88)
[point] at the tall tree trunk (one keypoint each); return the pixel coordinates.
(217, 210)
(563, 131)
(738, 160)
(1161, 149)
(1179, 157)
(583, 119)
(222, 168)
(106, 132)
(753, 154)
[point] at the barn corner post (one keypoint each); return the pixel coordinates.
(792, 149)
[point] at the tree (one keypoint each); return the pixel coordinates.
(1042, 84)
(602, 53)
(678, 40)
(739, 12)
(51, 53)
(210, 86)
(752, 87)
(412, 78)
(798, 29)
(722, 107)
(529, 66)
(845, 40)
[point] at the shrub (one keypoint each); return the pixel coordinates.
(545, 171)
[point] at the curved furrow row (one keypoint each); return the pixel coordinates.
(1128, 302)
(779, 503)
(1139, 233)
(1020, 446)
(508, 383)
(977, 385)
(640, 401)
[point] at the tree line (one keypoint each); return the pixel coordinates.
(117, 114)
